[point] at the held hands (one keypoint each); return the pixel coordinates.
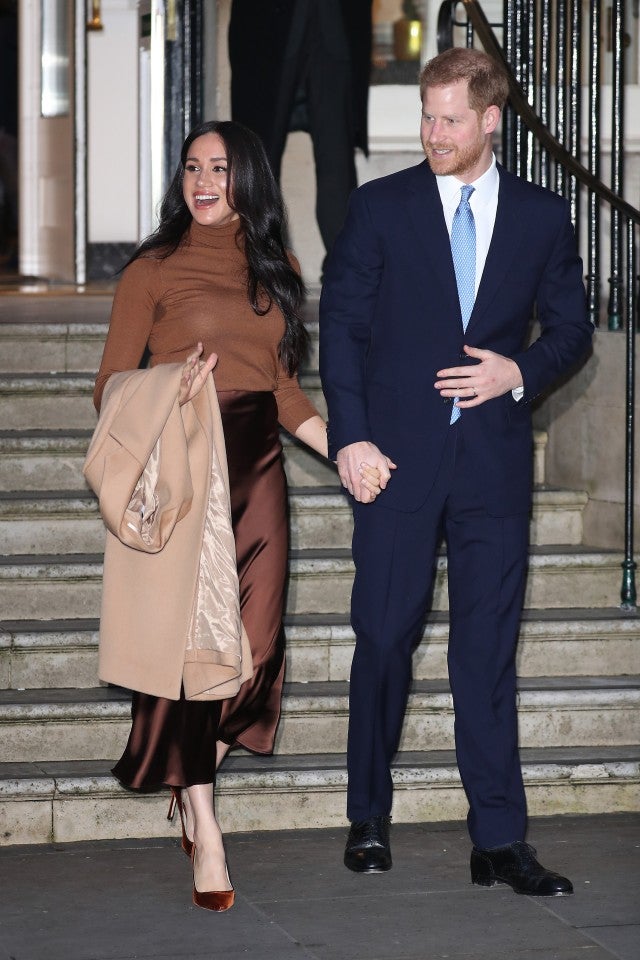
(194, 374)
(363, 470)
(491, 377)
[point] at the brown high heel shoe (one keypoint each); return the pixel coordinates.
(217, 900)
(176, 803)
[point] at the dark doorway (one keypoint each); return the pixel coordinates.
(184, 76)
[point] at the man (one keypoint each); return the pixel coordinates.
(424, 319)
(304, 65)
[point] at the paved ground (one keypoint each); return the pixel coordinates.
(295, 900)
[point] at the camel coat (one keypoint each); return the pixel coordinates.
(170, 609)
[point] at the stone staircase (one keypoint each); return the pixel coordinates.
(579, 657)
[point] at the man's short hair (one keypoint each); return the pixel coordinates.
(487, 80)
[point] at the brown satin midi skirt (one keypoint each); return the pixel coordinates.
(173, 742)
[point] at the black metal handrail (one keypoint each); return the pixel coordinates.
(522, 107)
(522, 31)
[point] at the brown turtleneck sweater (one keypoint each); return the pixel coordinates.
(200, 293)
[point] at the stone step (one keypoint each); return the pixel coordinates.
(48, 654)
(69, 587)
(52, 333)
(42, 459)
(64, 802)
(63, 401)
(52, 460)
(75, 345)
(51, 522)
(61, 404)
(91, 724)
(553, 643)
(42, 401)
(64, 653)
(551, 712)
(57, 522)
(321, 581)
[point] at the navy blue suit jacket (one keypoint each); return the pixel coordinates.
(390, 318)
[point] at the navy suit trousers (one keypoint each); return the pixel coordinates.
(395, 556)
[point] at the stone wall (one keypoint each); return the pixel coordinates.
(585, 420)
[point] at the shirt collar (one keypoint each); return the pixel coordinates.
(484, 187)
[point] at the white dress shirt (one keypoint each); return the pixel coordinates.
(484, 205)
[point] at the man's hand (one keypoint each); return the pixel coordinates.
(362, 468)
(491, 377)
(194, 374)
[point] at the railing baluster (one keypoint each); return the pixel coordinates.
(575, 99)
(628, 592)
(519, 70)
(593, 210)
(617, 170)
(509, 115)
(530, 60)
(545, 87)
(561, 45)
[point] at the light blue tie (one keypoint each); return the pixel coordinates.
(463, 250)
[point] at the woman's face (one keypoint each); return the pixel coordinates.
(204, 185)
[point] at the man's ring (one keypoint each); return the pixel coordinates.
(475, 392)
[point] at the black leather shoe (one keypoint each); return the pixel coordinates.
(368, 849)
(516, 865)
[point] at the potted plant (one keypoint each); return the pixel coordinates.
(407, 32)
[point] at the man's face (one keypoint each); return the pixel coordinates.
(456, 139)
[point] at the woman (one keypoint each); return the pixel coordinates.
(215, 280)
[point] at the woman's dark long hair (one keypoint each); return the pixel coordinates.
(254, 195)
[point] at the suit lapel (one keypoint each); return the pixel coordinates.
(424, 208)
(432, 239)
(508, 232)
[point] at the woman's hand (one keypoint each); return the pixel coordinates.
(194, 374)
(371, 479)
